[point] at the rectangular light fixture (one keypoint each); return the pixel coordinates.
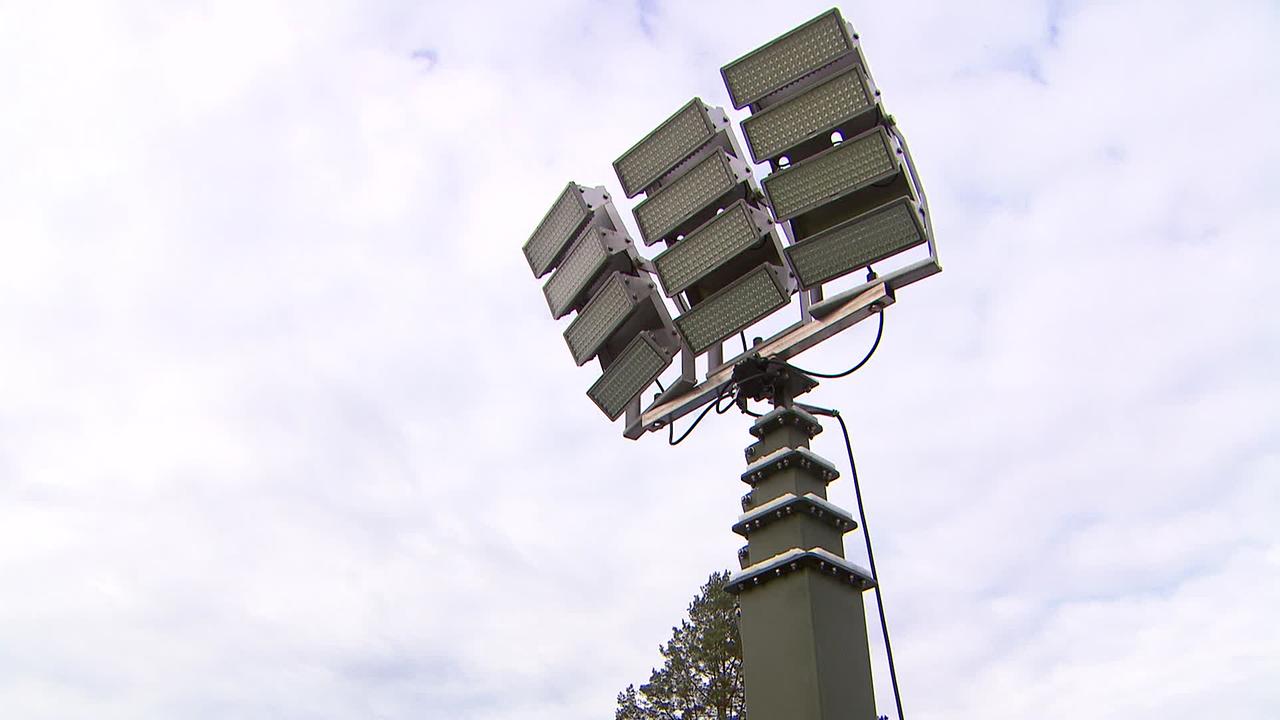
(594, 252)
(635, 368)
(734, 307)
(852, 165)
(858, 242)
(771, 67)
(571, 212)
(676, 205)
(710, 246)
(832, 104)
(622, 306)
(678, 137)
(601, 316)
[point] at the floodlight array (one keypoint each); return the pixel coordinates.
(598, 273)
(723, 264)
(843, 187)
(738, 305)
(843, 191)
(805, 50)
(680, 136)
(636, 367)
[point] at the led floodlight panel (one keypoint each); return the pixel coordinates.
(715, 178)
(594, 252)
(857, 243)
(623, 306)
(635, 368)
(571, 212)
(804, 50)
(735, 307)
(850, 166)
(844, 102)
(710, 246)
(678, 137)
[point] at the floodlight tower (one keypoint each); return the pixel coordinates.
(842, 196)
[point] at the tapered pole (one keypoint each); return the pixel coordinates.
(803, 625)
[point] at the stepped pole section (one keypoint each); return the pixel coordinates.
(804, 632)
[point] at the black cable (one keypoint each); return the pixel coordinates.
(731, 395)
(671, 429)
(871, 560)
(742, 335)
(729, 391)
(855, 368)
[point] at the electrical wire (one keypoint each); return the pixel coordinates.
(871, 558)
(855, 368)
(671, 429)
(728, 391)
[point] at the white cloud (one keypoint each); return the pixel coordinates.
(288, 433)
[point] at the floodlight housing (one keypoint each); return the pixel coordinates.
(802, 124)
(671, 143)
(573, 209)
(633, 370)
(622, 306)
(690, 199)
(858, 242)
(596, 251)
(735, 307)
(822, 41)
(848, 179)
(719, 250)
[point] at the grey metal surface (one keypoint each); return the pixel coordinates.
(895, 280)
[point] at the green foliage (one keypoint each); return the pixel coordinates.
(701, 673)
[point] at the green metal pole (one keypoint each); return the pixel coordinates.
(804, 633)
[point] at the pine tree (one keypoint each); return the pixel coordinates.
(701, 673)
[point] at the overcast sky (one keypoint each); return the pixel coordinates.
(286, 430)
